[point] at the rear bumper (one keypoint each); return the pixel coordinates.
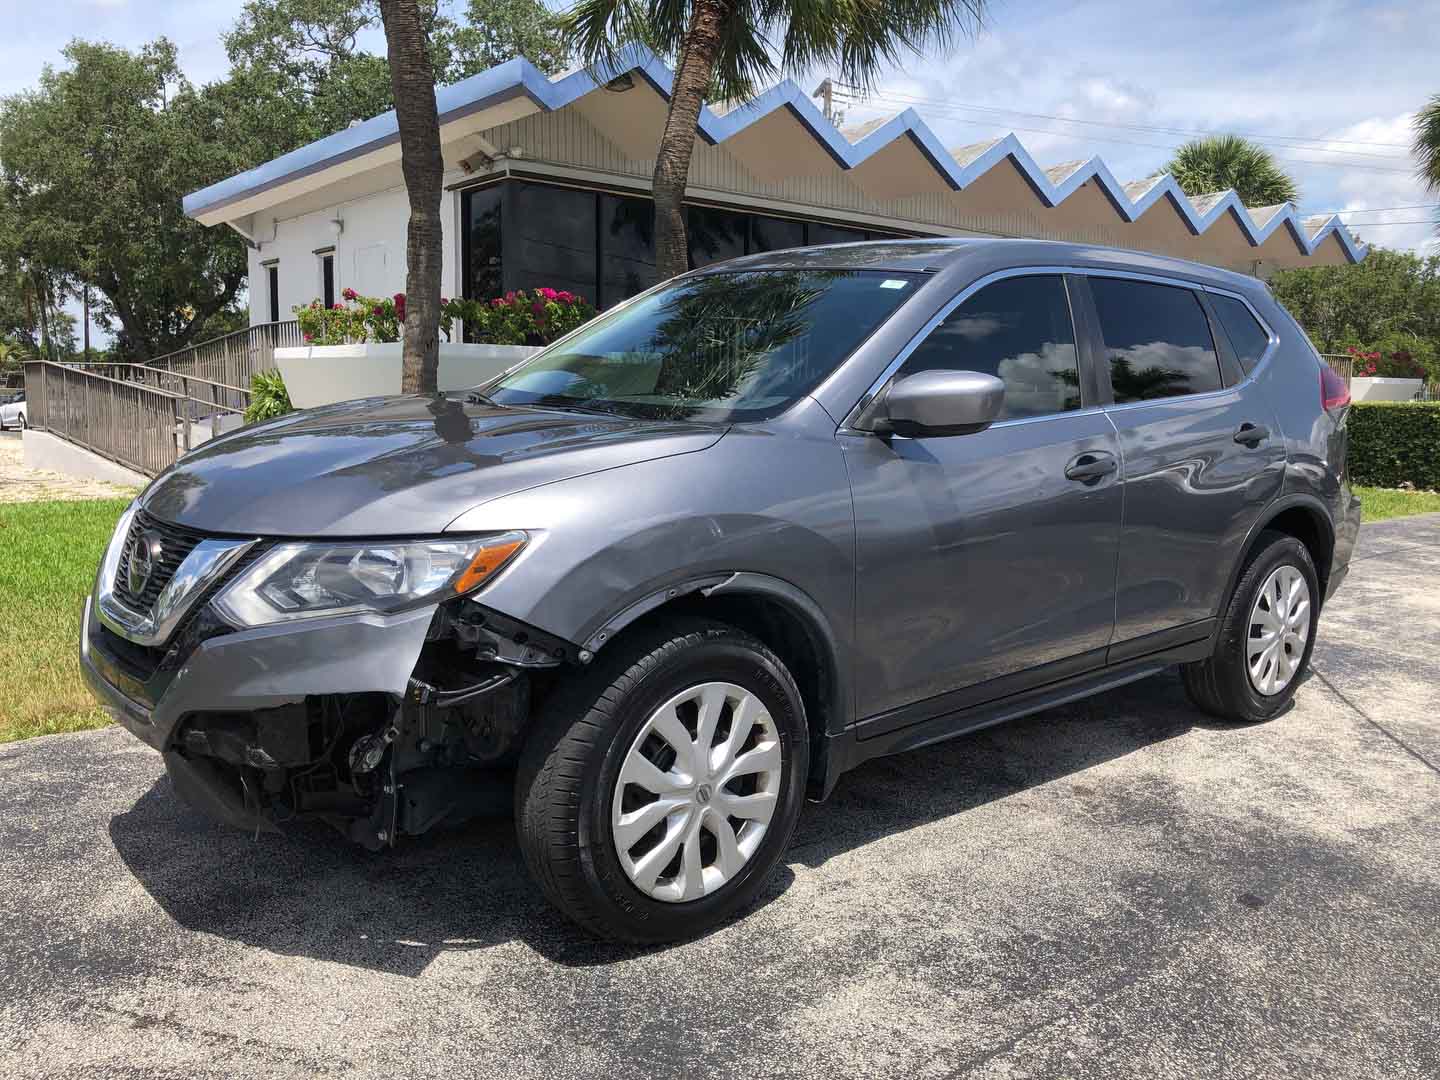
(255, 669)
(1347, 531)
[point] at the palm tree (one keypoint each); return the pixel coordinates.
(412, 78)
(1427, 146)
(723, 49)
(1218, 162)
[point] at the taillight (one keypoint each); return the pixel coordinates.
(1334, 393)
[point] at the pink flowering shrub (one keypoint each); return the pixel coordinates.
(521, 318)
(1394, 364)
(517, 318)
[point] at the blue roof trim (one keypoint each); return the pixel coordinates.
(520, 78)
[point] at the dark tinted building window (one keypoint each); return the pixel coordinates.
(834, 234)
(627, 248)
(1157, 340)
(1019, 330)
(482, 239)
(272, 285)
(550, 239)
(772, 234)
(1247, 337)
(715, 235)
(327, 278)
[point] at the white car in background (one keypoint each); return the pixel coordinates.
(12, 412)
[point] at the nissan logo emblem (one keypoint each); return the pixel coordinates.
(143, 557)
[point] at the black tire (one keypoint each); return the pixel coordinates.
(22, 422)
(1220, 685)
(570, 763)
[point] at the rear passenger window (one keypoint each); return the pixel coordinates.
(1247, 337)
(1157, 340)
(1019, 330)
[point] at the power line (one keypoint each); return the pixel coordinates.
(1364, 165)
(1170, 147)
(1377, 209)
(859, 97)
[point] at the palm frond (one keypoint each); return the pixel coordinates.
(1427, 143)
(1220, 162)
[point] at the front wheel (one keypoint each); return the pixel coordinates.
(658, 792)
(1266, 635)
(22, 422)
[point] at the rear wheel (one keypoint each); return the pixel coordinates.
(1266, 635)
(658, 792)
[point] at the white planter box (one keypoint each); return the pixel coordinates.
(1374, 388)
(323, 374)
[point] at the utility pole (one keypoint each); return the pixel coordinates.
(826, 93)
(85, 302)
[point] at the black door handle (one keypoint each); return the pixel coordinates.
(1251, 435)
(1090, 467)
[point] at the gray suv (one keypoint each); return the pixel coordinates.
(753, 527)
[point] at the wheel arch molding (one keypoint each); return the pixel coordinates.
(1302, 516)
(779, 613)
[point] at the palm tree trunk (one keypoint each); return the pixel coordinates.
(672, 160)
(413, 80)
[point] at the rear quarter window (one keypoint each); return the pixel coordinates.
(1247, 337)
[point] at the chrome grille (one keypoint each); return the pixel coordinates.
(175, 544)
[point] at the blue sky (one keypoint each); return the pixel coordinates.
(1344, 77)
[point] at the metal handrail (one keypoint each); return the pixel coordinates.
(140, 368)
(142, 426)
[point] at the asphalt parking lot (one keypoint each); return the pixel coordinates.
(1114, 889)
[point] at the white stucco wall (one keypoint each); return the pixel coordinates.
(369, 251)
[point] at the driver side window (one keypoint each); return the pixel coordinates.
(1018, 330)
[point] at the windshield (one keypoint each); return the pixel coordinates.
(743, 345)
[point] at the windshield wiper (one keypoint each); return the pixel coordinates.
(567, 405)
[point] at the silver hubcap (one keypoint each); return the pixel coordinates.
(696, 792)
(1279, 625)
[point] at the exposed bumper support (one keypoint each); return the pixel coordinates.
(261, 669)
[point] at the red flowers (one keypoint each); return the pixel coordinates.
(349, 294)
(400, 306)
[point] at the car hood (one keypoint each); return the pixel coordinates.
(403, 466)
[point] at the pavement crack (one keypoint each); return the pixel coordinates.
(1416, 754)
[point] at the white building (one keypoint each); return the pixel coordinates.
(547, 183)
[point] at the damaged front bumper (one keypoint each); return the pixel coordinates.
(381, 725)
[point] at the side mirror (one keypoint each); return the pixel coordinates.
(935, 403)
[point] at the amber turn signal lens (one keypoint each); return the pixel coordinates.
(490, 558)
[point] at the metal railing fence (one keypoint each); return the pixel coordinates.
(130, 420)
(232, 359)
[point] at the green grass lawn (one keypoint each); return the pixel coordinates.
(48, 555)
(1377, 504)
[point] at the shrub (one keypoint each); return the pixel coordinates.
(517, 318)
(1394, 443)
(521, 318)
(358, 319)
(268, 397)
(1388, 363)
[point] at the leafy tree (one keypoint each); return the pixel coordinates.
(1427, 145)
(495, 31)
(302, 65)
(1218, 162)
(92, 166)
(725, 47)
(413, 77)
(1390, 298)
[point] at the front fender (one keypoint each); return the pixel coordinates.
(610, 546)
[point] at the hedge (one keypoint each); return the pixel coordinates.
(1395, 442)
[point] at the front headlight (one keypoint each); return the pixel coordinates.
(302, 581)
